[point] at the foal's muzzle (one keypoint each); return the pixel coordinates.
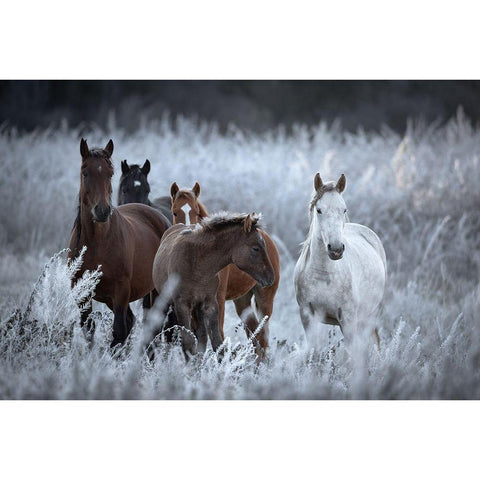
(101, 214)
(266, 280)
(336, 253)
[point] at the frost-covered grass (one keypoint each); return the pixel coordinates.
(418, 191)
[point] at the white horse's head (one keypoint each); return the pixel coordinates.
(328, 214)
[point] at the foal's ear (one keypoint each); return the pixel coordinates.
(196, 189)
(247, 224)
(341, 184)
(125, 167)
(84, 151)
(173, 190)
(317, 182)
(146, 167)
(109, 148)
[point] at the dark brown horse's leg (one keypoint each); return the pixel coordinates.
(122, 317)
(149, 299)
(86, 322)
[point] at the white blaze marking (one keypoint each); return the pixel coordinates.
(186, 210)
(137, 183)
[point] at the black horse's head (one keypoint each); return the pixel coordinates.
(134, 187)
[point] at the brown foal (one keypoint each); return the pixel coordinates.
(192, 256)
(234, 283)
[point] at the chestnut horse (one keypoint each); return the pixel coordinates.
(234, 283)
(193, 256)
(122, 240)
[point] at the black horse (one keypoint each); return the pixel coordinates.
(134, 188)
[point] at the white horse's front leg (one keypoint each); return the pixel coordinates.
(312, 321)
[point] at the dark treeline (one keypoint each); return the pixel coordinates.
(255, 105)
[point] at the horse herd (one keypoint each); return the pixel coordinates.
(171, 247)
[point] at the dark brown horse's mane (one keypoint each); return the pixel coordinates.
(77, 224)
(326, 187)
(222, 220)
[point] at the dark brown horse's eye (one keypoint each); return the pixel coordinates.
(174, 214)
(319, 210)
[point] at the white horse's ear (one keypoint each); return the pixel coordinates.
(317, 182)
(341, 184)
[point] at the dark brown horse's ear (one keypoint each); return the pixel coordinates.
(196, 189)
(341, 184)
(109, 148)
(247, 224)
(173, 190)
(125, 167)
(317, 182)
(84, 151)
(146, 167)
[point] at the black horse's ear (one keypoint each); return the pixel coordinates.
(125, 167)
(84, 151)
(317, 182)
(341, 184)
(109, 148)
(173, 190)
(196, 189)
(146, 167)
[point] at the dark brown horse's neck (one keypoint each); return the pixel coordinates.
(91, 233)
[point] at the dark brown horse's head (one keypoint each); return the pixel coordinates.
(250, 254)
(96, 180)
(186, 208)
(134, 186)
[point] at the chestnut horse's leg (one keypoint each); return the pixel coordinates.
(264, 305)
(223, 276)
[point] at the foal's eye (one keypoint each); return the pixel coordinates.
(256, 248)
(319, 210)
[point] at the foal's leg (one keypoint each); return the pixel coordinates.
(200, 329)
(209, 312)
(184, 318)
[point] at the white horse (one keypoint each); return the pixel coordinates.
(341, 273)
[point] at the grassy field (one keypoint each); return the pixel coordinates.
(418, 191)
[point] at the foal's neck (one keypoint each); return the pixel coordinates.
(219, 253)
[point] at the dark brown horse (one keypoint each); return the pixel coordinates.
(234, 284)
(193, 256)
(122, 240)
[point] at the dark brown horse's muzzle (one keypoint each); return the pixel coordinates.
(101, 214)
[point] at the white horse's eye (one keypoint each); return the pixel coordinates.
(345, 211)
(319, 210)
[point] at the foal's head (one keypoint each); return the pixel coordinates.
(246, 244)
(186, 208)
(95, 180)
(328, 213)
(134, 186)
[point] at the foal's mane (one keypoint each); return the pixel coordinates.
(77, 224)
(222, 220)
